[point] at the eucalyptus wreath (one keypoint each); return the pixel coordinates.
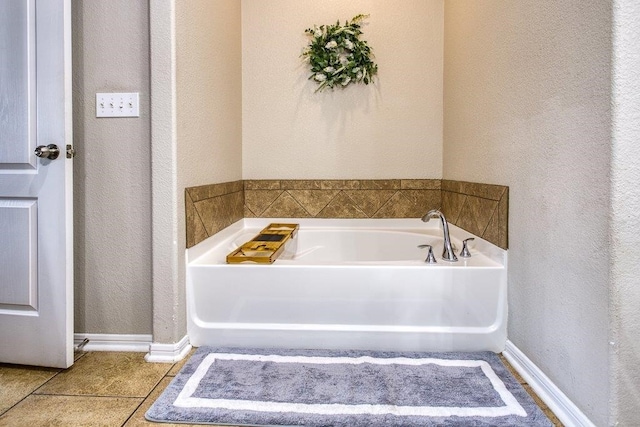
(337, 56)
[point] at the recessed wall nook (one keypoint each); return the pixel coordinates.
(537, 96)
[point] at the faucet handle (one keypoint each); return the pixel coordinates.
(464, 253)
(431, 259)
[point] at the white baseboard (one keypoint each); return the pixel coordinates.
(113, 342)
(566, 411)
(168, 353)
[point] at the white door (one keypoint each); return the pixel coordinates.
(36, 258)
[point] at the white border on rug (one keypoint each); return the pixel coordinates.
(566, 411)
(186, 400)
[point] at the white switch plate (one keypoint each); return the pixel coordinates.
(117, 105)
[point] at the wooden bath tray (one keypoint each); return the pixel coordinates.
(266, 247)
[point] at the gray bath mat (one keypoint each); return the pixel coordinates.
(259, 387)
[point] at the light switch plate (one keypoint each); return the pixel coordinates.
(117, 104)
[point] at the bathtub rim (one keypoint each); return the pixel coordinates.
(487, 248)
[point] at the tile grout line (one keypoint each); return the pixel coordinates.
(167, 375)
(198, 213)
(543, 406)
(386, 203)
(16, 404)
(328, 203)
(396, 191)
(494, 213)
(144, 399)
(353, 203)
(323, 207)
(32, 391)
(141, 398)
(273, 201)
(105, 396)
(298, 202)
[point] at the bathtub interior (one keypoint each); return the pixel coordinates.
(340, 241)
(374, 294)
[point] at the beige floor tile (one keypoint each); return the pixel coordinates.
(178, 365)
(108, 374)
(543, 406)
(512, 370)
(138, 420)
(70, 411)
(103, 389)
(17, 382)
(556, 422)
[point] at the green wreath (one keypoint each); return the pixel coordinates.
(338, 57)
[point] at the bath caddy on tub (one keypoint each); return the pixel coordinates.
(267, 246)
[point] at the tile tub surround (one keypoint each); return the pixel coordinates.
(478, 208)
(393, 198)
(211, 208)
(481, 209)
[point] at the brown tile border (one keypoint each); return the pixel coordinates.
(484, 191)
(213, 190)
(421, 184)
(196, 231)
(353, 198)
(481, 209)
(381, 184)
(342, 184)
(303, 184)
(211, 208)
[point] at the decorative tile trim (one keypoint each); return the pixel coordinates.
(211, 208)
(485, 191)
(262, 184)
(481, 209)
(421, 184)
(213, 190)
(390, 198)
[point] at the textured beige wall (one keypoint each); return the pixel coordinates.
(392, 129)
(197, 139)
(209, 91)
(168, 258)
(526, 84)
(625, 214)
(526, 104)
(112, 170)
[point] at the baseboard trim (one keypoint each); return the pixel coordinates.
(113, 342)
(168, 353)
(566, 411)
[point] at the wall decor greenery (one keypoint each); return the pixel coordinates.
(337, 56)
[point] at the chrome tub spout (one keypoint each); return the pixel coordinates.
(447, 254)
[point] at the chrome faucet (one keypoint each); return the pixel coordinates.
(447, 253)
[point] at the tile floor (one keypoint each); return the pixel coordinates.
(100, 389)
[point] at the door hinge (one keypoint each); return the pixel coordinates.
(70, 151)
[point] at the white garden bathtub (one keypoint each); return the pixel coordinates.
(352, 284)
